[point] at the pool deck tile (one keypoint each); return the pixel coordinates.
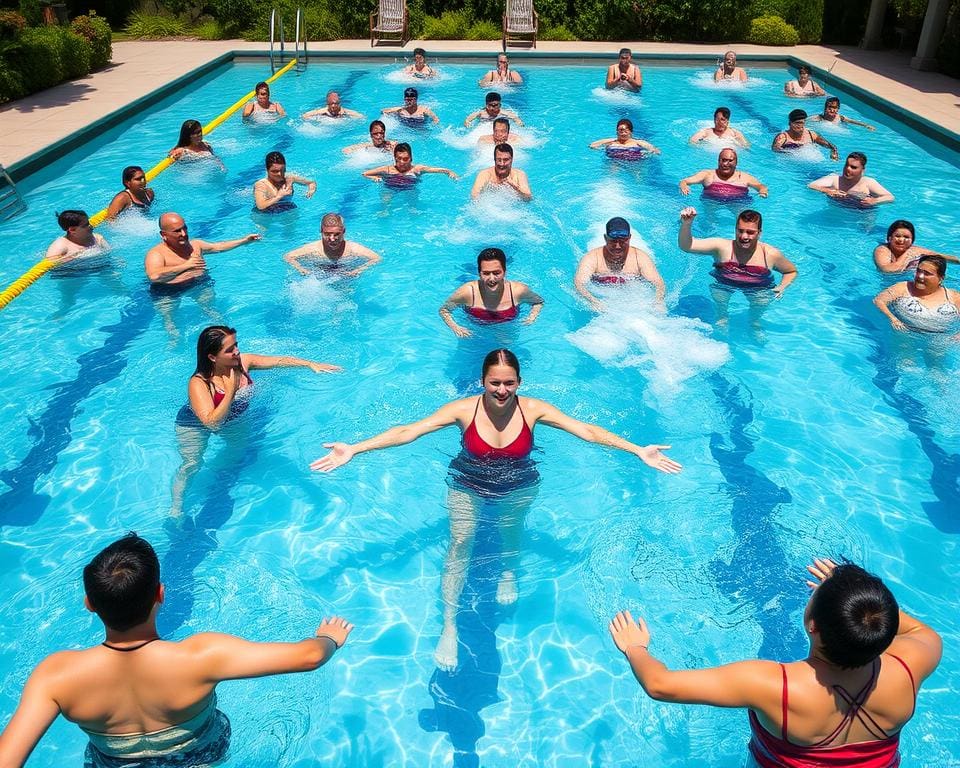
(141, 67)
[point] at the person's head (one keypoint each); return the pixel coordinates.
(503, 63)
(410, 96)
(276, 165)
(503, 159)
(831, 107)
(616, 237)
(74, 222)
(122, 583)
(331, 231)
(900, 236)
(931, 271)
(500, 376)
(378, 133)
(216, 346)
(492, 103)
(191, 132)
(803, 73)
(748, 229)
(727, 161)
(173, 230)
(333, 103)
(501, 130)
(492, 267)
(797, 119)
(624, 129)
(626, 55)
(854, 616)
(419, 56)
(403, 156)
(133, 176)
(721, 117)
(854, 165)
(262, 90)
(729, 59)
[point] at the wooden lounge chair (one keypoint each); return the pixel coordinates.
(520, 23)
(389, 19)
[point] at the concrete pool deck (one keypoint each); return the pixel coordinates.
(35, 122)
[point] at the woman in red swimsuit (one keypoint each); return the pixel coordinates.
(494, 466)
(842, 706)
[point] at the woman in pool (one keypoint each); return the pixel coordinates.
(218, 390)
(272, 194)
(803, 87)
(403, 173)
(494, 465)
(924, 303)
(728, 70)
(899, 254)
(135, 193)
(624, 146)
(261, 106)
(843, 705)
(191, 146)
(502, 75)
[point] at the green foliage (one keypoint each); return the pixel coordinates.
(416, 16)
(772, 30)
(320, 22)
(484, 30)
(11, 79)
(807, 17)
(452, 25)
(151, 27)
(657, 20)
(30, 10)
(41, 61)
(552, 13)
(948, 54)
(239, 14)
(209, 29)
(559, 33)
(76, 54)
(11, 24)
(97, 32)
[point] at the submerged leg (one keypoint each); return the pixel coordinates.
(192, 442)
(463, 527)
(758, 301)
(721, 298)
(513, 512)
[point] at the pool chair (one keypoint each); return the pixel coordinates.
(390, 18)
(519, 24)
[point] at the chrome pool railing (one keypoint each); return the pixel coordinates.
(300, 37)
(276, 23)
(11, 203)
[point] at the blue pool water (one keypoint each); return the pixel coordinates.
(825, 436)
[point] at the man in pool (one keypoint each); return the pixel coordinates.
(411, 112)
(721, 130)
(501, 134)
(624, 74)
(616, 262)
(142, 699)
(331, 252)
(831, 114)
(404, 168)
(492, 298)
(491, 110)
(333, 109)
(78, 239)
(728, 69)
(851, 185)
(797, 135)
(419, 68)
(378, 140)
(724, 181)
(502, 174)
(743, 263)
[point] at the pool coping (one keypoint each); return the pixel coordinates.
(237, 51)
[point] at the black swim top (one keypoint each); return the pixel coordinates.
(131, 648)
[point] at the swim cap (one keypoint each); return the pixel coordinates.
(618, 228)
(797, 114)
(412, 93)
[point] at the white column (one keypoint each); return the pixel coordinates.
(872, 37)
(934, 22)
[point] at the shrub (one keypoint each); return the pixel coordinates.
(483, 30)
(11, 24)
(149, 27)
(452, 25)
(41, 61)
(76, 54)
(238, 14)
(807, 17)
(97, 32)
(321, 24)
(11, 79)
(772, 30)
(209, 29)
(30, 9)
(559, 33)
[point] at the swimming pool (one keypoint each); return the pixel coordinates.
(823, 436)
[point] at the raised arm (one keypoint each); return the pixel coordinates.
(518, 180)
(709, 246)
(225, 245)
(436, 169)
(35, 713)
(262, 197)
(523, 295)
(826, 184)
(255, 362)
(201, 402)
(158, 273)
(601, 143)
(248, 109)
(459, 298)
(308, 183)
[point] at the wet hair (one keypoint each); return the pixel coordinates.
(493, 96)
(402, 147)
(502, 121)
(749, 215)
(796, 114)
(260, 85)
(725, 111)
(420, 51)
(831, 100)
(129, 172)
(901, 224)
(727, 52)
(504, 148)
(803, 68)
(625, 122)
(625, 50)
(332, 220)
(855, 615)
(210, 342)
(188, 127)
(938, 262)
(499, 357)
(858, 156)
(376, 124)
(274, 158)
(121, 582)
(492, 254)
(71, 218)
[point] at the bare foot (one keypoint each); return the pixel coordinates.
(507, 589)
(446, 654)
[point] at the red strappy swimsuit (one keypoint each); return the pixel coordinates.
(479, 448)
(484, 315)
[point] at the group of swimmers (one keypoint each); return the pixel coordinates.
(140, 712)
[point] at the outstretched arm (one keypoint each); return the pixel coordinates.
(851, 121)
(225, 245)
(255, 362)
(35, 713)
(709, 246)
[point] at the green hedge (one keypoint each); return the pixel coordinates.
(41, 63)
(772, 30)
(97, 32)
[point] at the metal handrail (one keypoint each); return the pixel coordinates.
(301, 32)
(276, 60)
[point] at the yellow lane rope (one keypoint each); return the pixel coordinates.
(39, 269)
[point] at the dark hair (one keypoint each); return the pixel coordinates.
(121, 582)
(188, 127)
(803, 68)
(858, 156)
(625, 50)
(502, 121)
(901, 224)
(420, 51)
(855, 615)
(492, 254)
(831, 100)
(71, 218)
(725, 111)
(260, 85)
(504, 148)
(749, 215)
(210, 342)
(499, 357)
(375, 123)
(402, 147)
(273, 158)
(493, 96)
(938, 261)
(626, 122)
(129, 172)
(796, 114)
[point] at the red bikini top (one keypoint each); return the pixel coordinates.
(479, 448)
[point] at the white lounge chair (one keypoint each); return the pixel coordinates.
(519, 23)
(389, 19)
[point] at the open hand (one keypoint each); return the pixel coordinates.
(651, 456)
(626, 632)
(821, 569)
(324, 368)
(336, 629)
(339, 455)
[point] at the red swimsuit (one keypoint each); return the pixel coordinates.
(479, 448)
(484, 315)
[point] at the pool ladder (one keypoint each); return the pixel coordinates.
(11, 203)
(299, 42)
